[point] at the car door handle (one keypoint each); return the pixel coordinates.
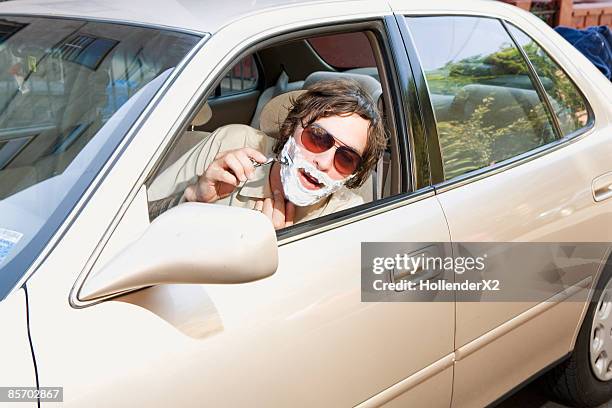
(404, 274)
(418, 274)
(602, 187)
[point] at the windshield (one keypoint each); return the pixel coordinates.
(69, 91)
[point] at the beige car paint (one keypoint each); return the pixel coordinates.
(174, 249)
(15, 350)
(511, 207)
(547, 199)
(433, 389)
(303, 329)
(496, 367)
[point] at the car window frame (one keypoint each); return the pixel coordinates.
(399, 75)
(259, 86)
(436, 164)
(591, 120)
(408, 118)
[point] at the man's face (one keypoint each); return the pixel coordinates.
(348, 130)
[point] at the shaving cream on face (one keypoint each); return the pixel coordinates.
(292, 186)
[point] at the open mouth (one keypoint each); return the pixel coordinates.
(309, 181)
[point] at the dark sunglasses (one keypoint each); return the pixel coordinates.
(317, 140)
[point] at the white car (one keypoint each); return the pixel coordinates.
(499, 131)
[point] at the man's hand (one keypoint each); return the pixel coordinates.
(281, 213)
(224, 174)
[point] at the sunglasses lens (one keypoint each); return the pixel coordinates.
(316, 140)
(346, 161)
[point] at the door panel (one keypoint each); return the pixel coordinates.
(238, 108)
(484, 117)
(17, 364)
(387, 342)
(433, 393)
(299, 338)
(548, 199)
(497, 367)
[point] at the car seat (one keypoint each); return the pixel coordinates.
(188, 139)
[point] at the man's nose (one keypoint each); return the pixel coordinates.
(325, 160)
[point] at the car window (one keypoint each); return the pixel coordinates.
(179, 171)
(242, 77)
(568, 104)
(67, 98)
(486, 107)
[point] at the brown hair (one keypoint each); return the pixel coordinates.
(338, 97)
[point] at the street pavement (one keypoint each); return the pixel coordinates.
(532, 396)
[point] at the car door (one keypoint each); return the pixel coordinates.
(524, 184)
(299, 338)
(17, 376)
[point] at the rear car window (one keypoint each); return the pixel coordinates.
(568, 104)
(242, 77)
(487, 109)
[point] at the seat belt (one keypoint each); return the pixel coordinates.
(378, 180)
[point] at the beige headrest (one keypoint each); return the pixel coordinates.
(275, 112)
(203, 116)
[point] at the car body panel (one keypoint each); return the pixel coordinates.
(303, 331)
(281, 331)
(495, 368)
(15, 351)
(511, 206)
(545, 198)
(191, 15)
(274, 336)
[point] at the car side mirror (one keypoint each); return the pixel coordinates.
(191, 243)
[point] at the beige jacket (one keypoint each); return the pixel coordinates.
(186, 170)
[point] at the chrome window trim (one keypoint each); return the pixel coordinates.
(79, 205)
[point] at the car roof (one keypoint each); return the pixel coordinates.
(192, 15)
(202, 16)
